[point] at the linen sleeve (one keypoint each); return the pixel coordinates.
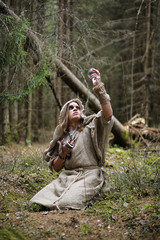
(48, 153)
(53, 157)
(100, 131)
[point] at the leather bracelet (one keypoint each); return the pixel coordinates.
(101, 93)
(69, 149)
(63, 158)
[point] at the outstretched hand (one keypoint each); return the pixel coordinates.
(94, 75)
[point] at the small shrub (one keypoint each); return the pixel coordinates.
(135, 172)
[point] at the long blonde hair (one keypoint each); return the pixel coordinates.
(65, 124)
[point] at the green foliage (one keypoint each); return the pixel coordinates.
(33, 83)
(12, 52)
(12, 41)
(29, 171)
(134, 172)
(39, 78)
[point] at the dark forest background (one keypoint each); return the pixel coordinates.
(119, 37)
(46, 50)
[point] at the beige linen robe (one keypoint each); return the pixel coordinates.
(83, 176)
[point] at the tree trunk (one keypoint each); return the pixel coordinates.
(36, 114)
(29, 121)
(22, 121)
(63, 48)
(38, 95)
(5, 111)
(146, 62)
(14, 120)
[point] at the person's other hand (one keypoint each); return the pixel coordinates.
(66, 148)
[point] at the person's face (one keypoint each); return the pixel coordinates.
(74, 112)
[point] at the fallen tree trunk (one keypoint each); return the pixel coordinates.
(121, 135)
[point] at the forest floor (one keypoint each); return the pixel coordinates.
(129, 210)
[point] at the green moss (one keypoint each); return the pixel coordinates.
(86, 229)
(37, 208)
(126, 135)
(12, 200)
(12, 234)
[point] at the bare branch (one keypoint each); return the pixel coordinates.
(105, 45)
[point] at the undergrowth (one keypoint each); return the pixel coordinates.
(129, 201)
(133, 172)
(129, 173)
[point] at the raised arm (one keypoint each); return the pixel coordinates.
(100, 91)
